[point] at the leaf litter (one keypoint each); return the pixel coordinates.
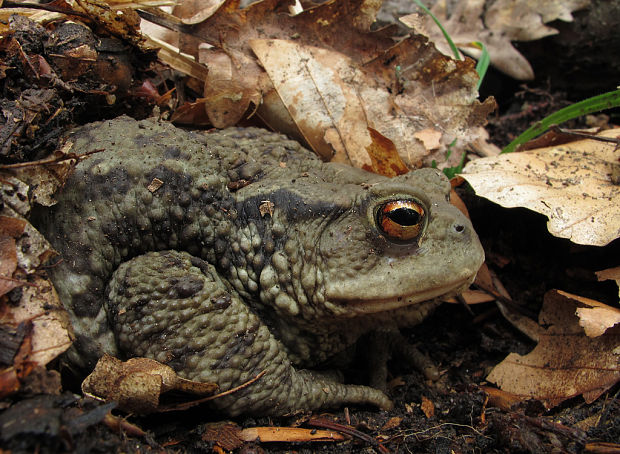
(432, 134)
(353, 79)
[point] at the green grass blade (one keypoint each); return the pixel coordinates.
(451, 172)
(595, 104)
(483, 62)
(455, 50)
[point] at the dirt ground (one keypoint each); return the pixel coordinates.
(465, 342)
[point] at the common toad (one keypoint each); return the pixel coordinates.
(236, 252)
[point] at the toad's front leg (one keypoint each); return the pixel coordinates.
(173, 307)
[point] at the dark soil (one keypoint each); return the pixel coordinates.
(465, 342)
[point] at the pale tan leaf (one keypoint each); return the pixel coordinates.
(496, 24)
(8, 263)
(465, 25)
(571, 184)
(193, 12)
(22, 250)
(566, 363)
(51, 333)
(31, 247)
(610, 273)
(327, 110)
(524, 20)
(173, 57)
(232, 83)
(482, 147)
(594, 316)
(44, 181)
(431, 138)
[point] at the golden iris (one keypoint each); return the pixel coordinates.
(401, 220)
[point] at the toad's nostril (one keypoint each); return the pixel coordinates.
(458, 228)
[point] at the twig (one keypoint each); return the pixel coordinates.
(348, 431)
(585, 135)
(193, 403)
(50, 160)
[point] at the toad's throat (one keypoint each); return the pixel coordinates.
(375, 305)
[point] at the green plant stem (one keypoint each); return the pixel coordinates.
(587, 106)
(483, 62)
(455, 50)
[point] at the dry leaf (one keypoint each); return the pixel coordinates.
(138, 383)
(196, 11)
(431, 138)
(392, 423)
(232, 84)
(565, 363)
(465, 25)
(610, 273)
(31, 248)
(594, 317)
(428, 408)
(191, 114)
(315, 86)
(171, 56)
(22, 250)
(44, 181)
(501, 399)
(384, 156)
(39, 304)
(471, 297)
(495, 24)
(10, 229)
(226, 435)
(524, 20)
(571, 184)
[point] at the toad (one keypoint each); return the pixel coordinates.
(227, 254)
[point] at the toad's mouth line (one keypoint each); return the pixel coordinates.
(370, 306)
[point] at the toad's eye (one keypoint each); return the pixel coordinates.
(401, 220)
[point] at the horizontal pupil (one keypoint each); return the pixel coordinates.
(404, 216)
